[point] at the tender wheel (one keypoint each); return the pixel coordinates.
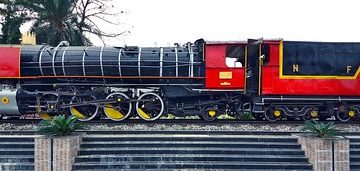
(83, 110)
(346, 115)
(342, 116)
(150, 106)
(210, 113)
(311, 114)
(118, 109)
(272, 115)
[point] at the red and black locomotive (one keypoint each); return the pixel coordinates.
(272, 79)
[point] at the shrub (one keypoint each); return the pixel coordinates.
(58, 126)
(225, 116)
(321, 130)
(246, 116)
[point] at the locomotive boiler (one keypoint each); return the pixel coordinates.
(271, 79)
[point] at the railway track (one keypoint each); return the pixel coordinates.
(181, 121)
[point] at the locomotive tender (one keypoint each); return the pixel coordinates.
(272, 79)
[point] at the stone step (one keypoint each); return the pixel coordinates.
(200, 169)
(355, 144)
(17, 166)
(16, 138)
(111, 144)
(191, 157)
(186, 137)
(354, 151)
(354, 166)
(192, 132)
(21, 144)
(197, 169)
(354, 158)
(194, 150)
(16, 158)
(354, 139)
(143, 151)
(16, 151)
(191, 165)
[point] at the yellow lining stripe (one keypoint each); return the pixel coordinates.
(337, 77)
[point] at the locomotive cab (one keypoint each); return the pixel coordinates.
(225, 65)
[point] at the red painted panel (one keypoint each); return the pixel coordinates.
(215, 64)
(274, 61)
(215, 56)
(273, 85)
(9, 62)
(213, 81)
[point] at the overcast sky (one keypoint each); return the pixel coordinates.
(164, 22)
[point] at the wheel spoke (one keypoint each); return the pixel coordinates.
(118, 111)
(84, 112)
(149, 106)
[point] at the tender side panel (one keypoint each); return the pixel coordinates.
(316, 59)
(273, 83)
(9, 62)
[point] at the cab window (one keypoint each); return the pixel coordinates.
(235, 56)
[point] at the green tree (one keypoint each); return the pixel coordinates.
(70, 20)
(55, 22)
(13, 15)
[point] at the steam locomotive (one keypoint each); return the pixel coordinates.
(271, 79)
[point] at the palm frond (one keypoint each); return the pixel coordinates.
(58, 126)
(321, 130)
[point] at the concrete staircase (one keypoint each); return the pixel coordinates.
(354, 153)
(16, 152)
(168, 151)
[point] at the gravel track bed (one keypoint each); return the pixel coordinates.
(266, 127)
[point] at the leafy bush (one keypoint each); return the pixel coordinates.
(246, 116)
(58, 126)
(321, 130)
(225, 116)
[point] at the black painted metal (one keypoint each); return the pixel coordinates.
(98, 61)
(252, 70)
(321, 58)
